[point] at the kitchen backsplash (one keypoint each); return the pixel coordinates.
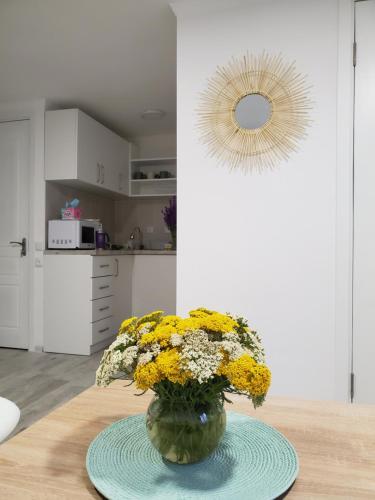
(119, 217)
(146, 214)
(93, 205)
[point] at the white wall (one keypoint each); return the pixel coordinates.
(155, 146)
(264, 246)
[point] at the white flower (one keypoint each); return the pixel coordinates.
(114, 361)
(128, 357)
(155, 349)
(109, 366)
(176, 339)
(234, 349)
(123, 339)
(199, 355)
(232, 336)
(254, 346)
(145, 328)
(145, 358)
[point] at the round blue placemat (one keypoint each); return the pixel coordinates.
(253, 461)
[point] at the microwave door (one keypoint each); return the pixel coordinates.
(88, 236)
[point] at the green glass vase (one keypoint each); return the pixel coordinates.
(184, 433)
(174, 239)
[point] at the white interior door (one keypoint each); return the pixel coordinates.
(364, 207)
(14, 215)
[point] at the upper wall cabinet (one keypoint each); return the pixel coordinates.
(80, 151)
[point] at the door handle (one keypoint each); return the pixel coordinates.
(117, 268)
(22, 244)
(98, 173)
(104, 330)
(102, 167)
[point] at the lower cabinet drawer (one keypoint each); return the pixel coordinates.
(102, 329)
(102, 308)
(102, 266)
(102, 287)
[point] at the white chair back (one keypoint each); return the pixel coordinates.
(9, 417)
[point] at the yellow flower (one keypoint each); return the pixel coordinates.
(146, 376)
(168, 363)
(153, 316)
(246, 375)
(127, 326)
(219, 323)
(214, 322)
(200, 312)
(222, 369)
(260, 381)
(160, 335)
(187, 324)
(170, 320)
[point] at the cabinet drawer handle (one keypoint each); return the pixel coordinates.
(104, 330)
(103, 265)
(103, 287)
(104, 308)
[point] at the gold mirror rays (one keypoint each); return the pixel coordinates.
(266, 145)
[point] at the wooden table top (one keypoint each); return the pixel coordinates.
(335, 444)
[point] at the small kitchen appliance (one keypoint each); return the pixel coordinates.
(65, 234)
(102, 239)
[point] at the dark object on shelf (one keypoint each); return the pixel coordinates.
(116, 247)
(137, 175)
(164, 174)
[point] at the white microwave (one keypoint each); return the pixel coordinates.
(71, 233)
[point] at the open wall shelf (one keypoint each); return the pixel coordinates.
(156, 182)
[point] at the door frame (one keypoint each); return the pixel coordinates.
(353, 336)
(344, 204)
(34, 112)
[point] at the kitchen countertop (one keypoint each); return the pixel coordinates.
(98, 253)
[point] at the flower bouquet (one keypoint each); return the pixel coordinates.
(170, 218)
(189, 363)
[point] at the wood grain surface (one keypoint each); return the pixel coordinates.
(335, 444)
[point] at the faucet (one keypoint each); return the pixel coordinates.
(136, 240)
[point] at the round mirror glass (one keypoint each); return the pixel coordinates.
(252, 111)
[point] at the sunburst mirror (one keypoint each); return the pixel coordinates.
(254, 111)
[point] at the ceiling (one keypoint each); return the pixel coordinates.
(111, 58)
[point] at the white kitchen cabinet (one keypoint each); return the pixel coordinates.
(87, 297)
(80, 151)
(123, 284)
(79, 303)
(154, 284)
(143, 283)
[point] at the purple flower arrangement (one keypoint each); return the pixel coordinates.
(170, 215)
(170, 218)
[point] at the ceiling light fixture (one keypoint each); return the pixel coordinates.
(153, 114)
